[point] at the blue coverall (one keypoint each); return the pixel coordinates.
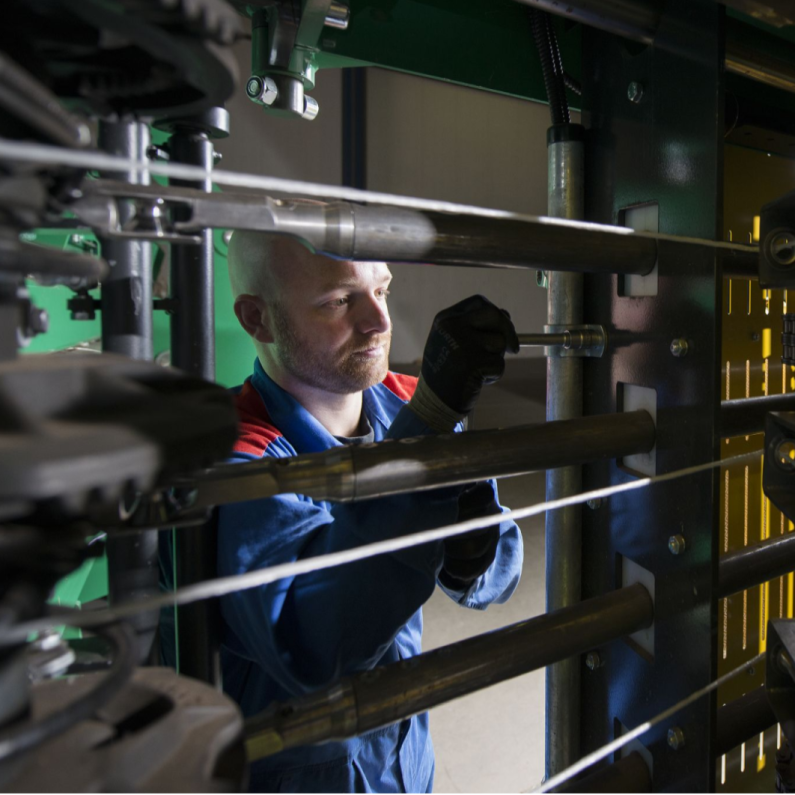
(288, 638)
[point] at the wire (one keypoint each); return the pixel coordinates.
(625, 739)
(26, 736)
(222, 586)
(53, 155)
(538, 24)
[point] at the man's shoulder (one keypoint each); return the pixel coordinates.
(403, 386)
(256, 431)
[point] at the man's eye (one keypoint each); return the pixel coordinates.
(383, 293)
(338, 302)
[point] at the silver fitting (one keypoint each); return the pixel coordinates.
(635, 92)
(338, 16)
(311, 108)
(593, 660)
(585, 341)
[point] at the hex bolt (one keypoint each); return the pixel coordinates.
(593, 660)
(261, 90)
(676, 544)
(676, 738)
(679, 347)
(594, 504)
(635, 92)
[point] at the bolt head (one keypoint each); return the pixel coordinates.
(635, 92)
(593, 660)
(679, 347)
(676, 738)
(261, 90)
(676, 544)
(594, 504)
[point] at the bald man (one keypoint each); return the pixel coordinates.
(322, 332)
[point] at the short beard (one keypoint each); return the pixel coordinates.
(342, 375)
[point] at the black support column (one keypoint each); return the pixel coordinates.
(127, 330)
(193, 350)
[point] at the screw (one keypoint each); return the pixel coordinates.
(676, 544)
(635, 92)
(679, 347)
(676, 738)
(593, 660)
(38, 320)
(217, 158)
(227, 236)
(311, 108)
(541, 279)
(594, 504)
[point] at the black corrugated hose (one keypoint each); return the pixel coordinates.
(551, 65)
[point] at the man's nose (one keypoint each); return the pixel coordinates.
(375, 317)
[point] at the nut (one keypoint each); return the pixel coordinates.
(635, 92)
(676, 738)
(676, 544)
(593, 660)
(594, 504)
(679, 347)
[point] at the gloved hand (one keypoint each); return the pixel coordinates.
(465, 350)
(468, 556)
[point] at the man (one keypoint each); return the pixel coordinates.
(322, 333)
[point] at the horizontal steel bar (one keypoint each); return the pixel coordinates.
(391, 693)
(756, 564)
(399, 234)
(541, 339)
(745, 416)
(747, 716)
(348, 474)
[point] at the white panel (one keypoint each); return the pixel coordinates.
(644, 218)
(635, 398)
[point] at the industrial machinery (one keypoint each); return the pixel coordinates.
(661, 340)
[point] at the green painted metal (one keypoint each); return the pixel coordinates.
(483, 44)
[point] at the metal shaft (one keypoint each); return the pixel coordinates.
(394, 692)
(127, 329)
(564, 402)
(348, 474)
(742, 718)
(756, 564)
(745, 416)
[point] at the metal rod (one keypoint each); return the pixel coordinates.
(127, 329)
(628, 774)
(747, 716)
(391, 693)
(541, 339)
(354, 473)
(637, 20)
(756, 564)
(193, 350)
(564, 402)
(745, 416)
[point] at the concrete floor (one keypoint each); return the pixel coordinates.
(493, 741)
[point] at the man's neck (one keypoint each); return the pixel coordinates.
(340, 415)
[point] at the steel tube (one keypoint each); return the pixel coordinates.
(543, 339)
(745, 416)
(756, 564)
(349, 474)
(564, 402)
(747, 716)
(391, 693)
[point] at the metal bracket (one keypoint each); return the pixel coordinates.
(588, 340)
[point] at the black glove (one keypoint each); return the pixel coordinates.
(465, 350)
(469, 555)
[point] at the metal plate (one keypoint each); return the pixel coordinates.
(666, 149)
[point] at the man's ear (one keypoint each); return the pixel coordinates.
(252, 314)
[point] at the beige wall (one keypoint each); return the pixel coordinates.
(428, 139)
(441, 141)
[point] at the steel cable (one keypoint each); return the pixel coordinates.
(225, 585)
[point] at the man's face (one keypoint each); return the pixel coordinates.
(331, 328)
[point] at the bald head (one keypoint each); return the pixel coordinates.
(265, 264)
